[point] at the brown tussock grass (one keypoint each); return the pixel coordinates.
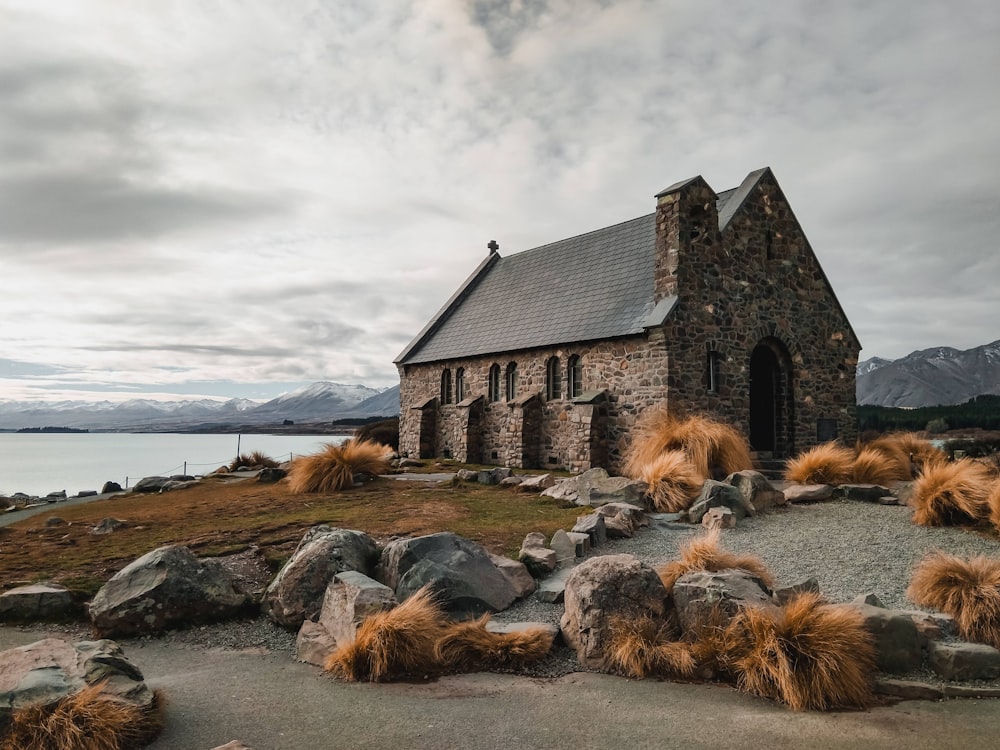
(919, 451)
(673, 481)
(469, 646)
(829, 463)
(86, 720)
(993, 501)
(948, 494)
(712, 447)
(706, 553)
(334, 467)
(968, 590)
(806, 654)
(875, 466)
(642, 647)
(394, 643)
(252, 460)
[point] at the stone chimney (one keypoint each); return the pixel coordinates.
(687, 228)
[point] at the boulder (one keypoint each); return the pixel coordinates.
(86, 493)
(271, 475)
(594, 526)
(517, 575)
(43, 672)
(553, 589)
(598, 591)
(111, 487)
(899, 645)
(581, 543)
(539, 559)
(718, 518)
(807, 493)
(168, 587)
(964, 661)
(349, 599)
(622, 520)
(595, 487)
(495, 475)
(699, 595)
(106, 526)
(57, 495)
(37, 602)
(536, 483)
(314, 644)
(717, 495)
(296, 593)
(161, 484)
(459, 571)
(511, 482)
(757, 492)
(564, 547)
(467, 475)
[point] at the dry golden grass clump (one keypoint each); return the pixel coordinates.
(949, 494)
(712, 448)
(255, 460)
(335, 467)
(993, 501)
(828, 463)
(417, 638)
(467, 646)
(87, 720)
(706, 553)
(673, 482)
(807, 654)
(876, 466)
(641, 647)
(968, 590)
(920, 451)
(393, 643)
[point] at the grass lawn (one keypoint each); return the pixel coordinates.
(219, 517)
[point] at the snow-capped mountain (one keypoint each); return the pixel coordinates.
(930, 377)
(319, 402)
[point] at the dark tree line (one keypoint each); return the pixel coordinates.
(981, 411)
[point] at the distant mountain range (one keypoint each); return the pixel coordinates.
(932, 377)
(319, 402)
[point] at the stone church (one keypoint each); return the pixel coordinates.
(714, 304)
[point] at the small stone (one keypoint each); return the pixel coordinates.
(908, 690)
(719, 518)
(552, 590)
(784, 594)
(964, 661)
(564, 547)
(871, 599)
(865, 493)
(581, 542)
(808, 493)
(594, 526)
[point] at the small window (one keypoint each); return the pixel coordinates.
(574, 373)
(712, 374)
(460, 385)
(446, 387)
(510, 381)
(493, 386)
(553, 380)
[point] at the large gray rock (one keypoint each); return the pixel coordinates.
(43, 672)
(539, 559)
(517, 575)
(622, 520)
(594, 526)
(161, 484)
(807, 493)
(536, 483)
(460, 571)
(600, 590)
(717, 495)
(595, 487)
(166, 588)
(569, 490)
(314, 644)
(296, 593)
(964, 661)
(37, 602)
(349, 599)
(701, 596)
(757, 492)
(899, 644)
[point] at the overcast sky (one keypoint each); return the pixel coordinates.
(234, 198)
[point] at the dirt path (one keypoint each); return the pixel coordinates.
(273, 703)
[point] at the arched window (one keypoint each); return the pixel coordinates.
(712, 372)
(446, 387)
(493, 387)
(510, 381)
(553, 379)
(574, 374)
(459, 385)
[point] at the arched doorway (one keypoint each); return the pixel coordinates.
(771, 398)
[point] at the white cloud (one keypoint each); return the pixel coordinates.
(286, 192)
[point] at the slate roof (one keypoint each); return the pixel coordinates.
(593, 286)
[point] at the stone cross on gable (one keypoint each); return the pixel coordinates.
(492, 246)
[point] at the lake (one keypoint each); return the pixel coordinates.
(40, 463)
